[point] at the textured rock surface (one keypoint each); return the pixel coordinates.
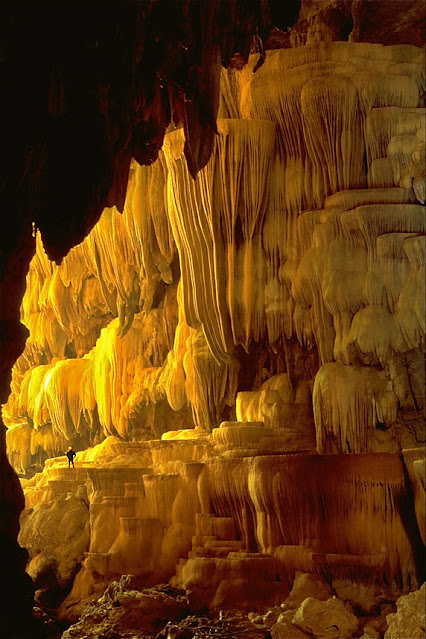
(284, 629)
(125, 337)
(365, 597)
(275, 303)
(307, 585)
(91, 107)
(56, 535)
(126, 611)
(232, 524)
(325, 619)
(409, 619)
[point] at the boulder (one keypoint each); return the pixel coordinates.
(375, 627)
(409, 620)
(284, 629)
(307, 585)
(325, 619)
(269, 618)
(358, 595)
(56, 534)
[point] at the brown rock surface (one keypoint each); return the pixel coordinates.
(307, 585)
(284, 629)
(126, 611)
(409, 620)
(90, 107)
(56, 535)
(265, 319)
(398, 22)
(365, 597)
(325, 619)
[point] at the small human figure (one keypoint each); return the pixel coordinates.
(70, 456)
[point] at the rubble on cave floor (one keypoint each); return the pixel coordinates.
(129, 611)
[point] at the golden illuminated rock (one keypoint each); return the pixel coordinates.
(410, 616)
(218, 516)
(238, 358)
(325, 619)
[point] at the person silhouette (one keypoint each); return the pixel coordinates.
(70, 454)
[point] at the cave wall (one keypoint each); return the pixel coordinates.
(299, 245)
(87, 90)
(303, 234)
(277, 238)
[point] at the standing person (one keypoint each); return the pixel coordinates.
(70, 455)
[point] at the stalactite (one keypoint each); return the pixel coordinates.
(349, 404)
(307, 285)
(353, 198)
(173, 369)
(275, 405)
(209, 386)
(380, 90)
(332, 128)
(399, 151)
(414, 461)
(119, 363)
(380, 174)
(243, 145)
(386, 275)
(374, 220)
(195, 243)
(29, 447)
(374, 335)
(410, 310)
(264, 497)
(383, 123)
(147, 223)
(239, 201)
(277, 237)
(276, 94)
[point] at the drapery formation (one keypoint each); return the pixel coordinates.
(305, 225)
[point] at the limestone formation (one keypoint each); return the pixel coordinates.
(250, 250)
(56, 536)
(284, 629)
(409, 619)
(307, 585)
(230, 520)
(236, 349)
(325, 619)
